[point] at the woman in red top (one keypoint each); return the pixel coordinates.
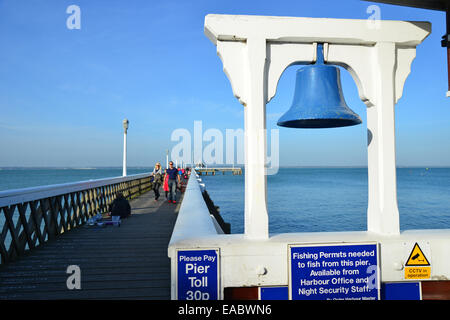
(166, 185)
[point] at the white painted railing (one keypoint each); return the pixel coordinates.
(246, 262)
(14, 196)
(194, 218)
(29, 217)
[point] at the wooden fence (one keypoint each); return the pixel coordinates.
(30, 217)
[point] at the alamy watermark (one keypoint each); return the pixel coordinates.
(74, 20)
(373, 21)
(211, 148)
(74, 280)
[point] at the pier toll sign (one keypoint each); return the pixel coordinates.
(344, 271)
(198, 274)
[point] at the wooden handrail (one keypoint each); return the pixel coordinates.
(30, 217)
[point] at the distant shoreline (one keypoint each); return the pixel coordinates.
(72, 168)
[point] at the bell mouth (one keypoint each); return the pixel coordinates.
(319, 123)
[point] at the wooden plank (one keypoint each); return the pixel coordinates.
(67, 256)
(3, 250)
(26, 231)
(161, 293)
(99, 269)
(436, 290)
(14, 249)
(43, 213)
(241, 293)
(8, 284)
(3, 253)
(150, 263)
(36, 217)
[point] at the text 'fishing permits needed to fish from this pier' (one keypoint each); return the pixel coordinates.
(334, 272)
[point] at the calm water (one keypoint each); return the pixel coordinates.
(329, 199)
(33, 177)
(299, 199)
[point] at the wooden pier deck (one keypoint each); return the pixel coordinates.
(126, 262)
(213, 171)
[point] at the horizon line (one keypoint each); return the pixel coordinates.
(214, 166)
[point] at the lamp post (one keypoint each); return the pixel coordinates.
(167, 158)
(125, 123)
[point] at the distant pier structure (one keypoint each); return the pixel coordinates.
(213, 171)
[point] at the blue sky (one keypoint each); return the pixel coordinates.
(64, 93)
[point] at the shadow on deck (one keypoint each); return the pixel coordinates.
(126, 262)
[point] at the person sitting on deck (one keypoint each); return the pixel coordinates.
(120, 206)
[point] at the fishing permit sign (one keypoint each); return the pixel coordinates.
(345, 271)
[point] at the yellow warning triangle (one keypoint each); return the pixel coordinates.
(417, 258)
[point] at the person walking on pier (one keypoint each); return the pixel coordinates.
(166, 185)
(174, 180)
(157, 179)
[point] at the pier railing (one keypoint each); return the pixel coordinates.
(213, 171)
(194, 217)
(30, 217)
(197, 218)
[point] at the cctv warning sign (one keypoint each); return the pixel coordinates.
(417, 257)
(417, 266)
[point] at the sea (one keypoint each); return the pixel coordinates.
(299, 199)
(335, 199)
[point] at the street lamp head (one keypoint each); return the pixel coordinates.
(125, 124)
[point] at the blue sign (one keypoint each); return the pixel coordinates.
(197, 275)
(401, 291)
(334, 272)
(273, 293)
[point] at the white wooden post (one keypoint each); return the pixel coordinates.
(256, 218)
(382, 213)
(255, 51)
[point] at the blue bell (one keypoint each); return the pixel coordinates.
(318, 99)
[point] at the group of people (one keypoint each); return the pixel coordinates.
(170, 180)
